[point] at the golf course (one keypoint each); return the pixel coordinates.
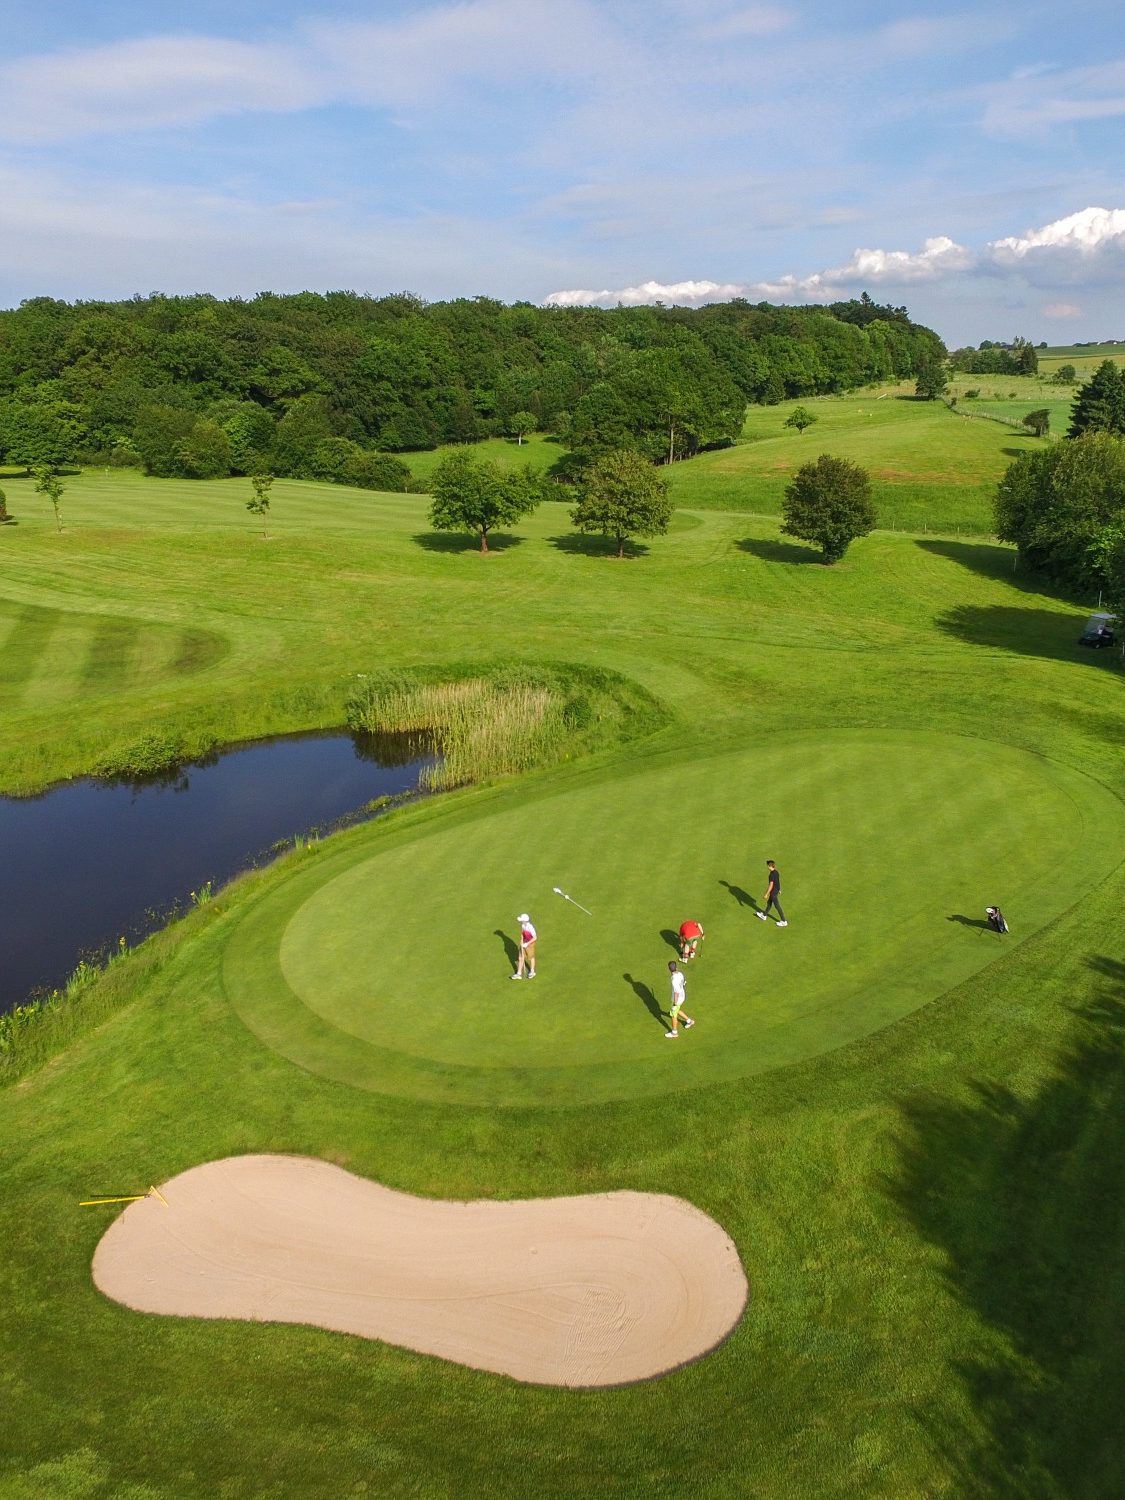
(910, 1128)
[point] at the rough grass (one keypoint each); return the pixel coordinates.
(930, 1217)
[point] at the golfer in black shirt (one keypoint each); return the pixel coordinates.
(773, 890)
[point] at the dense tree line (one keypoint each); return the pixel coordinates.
(332, 386)
(990, 358)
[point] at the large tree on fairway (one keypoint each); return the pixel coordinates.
(476, 495)
(1063, 505)
(829, 502)
(623, 496)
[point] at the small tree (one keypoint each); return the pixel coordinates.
(800, 418)
(1065, 375)
(4, 516)
(931, 380)
(1039, 421)
(829, 502)
(623, 496)
(259, 503)
(47, 483)
(520, 423)
(476, 495)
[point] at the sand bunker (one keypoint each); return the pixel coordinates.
(589, 1291)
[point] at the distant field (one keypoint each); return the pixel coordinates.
(1012, 397)
(537, 448)
(1085, 357)
(930, 469)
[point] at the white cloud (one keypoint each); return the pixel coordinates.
(680, 292)
(1086, 247)
(1062, 310)
(1087, 232)
(937, 258)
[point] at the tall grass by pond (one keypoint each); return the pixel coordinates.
(480, 726)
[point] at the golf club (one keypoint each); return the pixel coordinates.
(572, 901)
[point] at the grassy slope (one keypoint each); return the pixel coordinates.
(929, 469)
(930, 1218)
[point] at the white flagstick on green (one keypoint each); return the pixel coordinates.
(572, 901)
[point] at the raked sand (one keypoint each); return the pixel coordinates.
(596, 1290)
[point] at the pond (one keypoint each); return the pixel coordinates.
(92, 861)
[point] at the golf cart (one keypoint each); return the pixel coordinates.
(1098, 631)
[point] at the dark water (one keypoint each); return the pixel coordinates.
(92, 861)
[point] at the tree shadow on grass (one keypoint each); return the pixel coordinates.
(643, 992)
(461, 541)
(991, 560)
(780, 552)
(511, 947)
(1029, 632)
(1021, 1194)
(578, 545)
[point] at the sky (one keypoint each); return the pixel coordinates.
(966, 161)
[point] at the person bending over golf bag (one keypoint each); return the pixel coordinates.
(528, 938)
(691, 935)
(996, 919)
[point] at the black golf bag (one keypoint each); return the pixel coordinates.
(996, 919)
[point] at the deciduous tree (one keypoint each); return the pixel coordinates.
(800, 418)
(259, 502)
(1039, 421)
(48, 483)
(1056, 504)
(931, 381)
(519, 424)
(829, 502)
(623, 496)
(476, 495)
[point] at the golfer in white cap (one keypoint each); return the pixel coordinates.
(528, 936)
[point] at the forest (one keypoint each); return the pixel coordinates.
(332, 386)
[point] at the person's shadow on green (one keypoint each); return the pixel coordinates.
(672, 939)
(743, 898)
(511, 947)
(642, 992)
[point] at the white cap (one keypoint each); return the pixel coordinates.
(523, 917)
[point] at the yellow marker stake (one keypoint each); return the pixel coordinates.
(128, 1198)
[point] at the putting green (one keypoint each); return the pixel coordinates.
(386, 965)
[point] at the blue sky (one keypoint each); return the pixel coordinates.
(965, 160)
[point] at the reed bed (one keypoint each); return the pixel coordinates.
(480, 727)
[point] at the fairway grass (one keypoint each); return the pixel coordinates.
(911, 1130)
(387, 968)
(930, 469)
